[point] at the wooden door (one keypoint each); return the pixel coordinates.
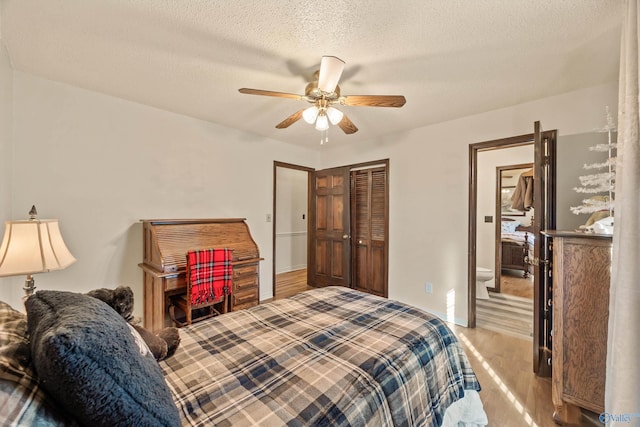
(544, 200)
(369, 229)
(330, 229)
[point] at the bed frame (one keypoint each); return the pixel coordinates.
(515, 255)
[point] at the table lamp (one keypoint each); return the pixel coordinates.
(33, 246)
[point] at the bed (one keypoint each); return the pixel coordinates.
(516, 247)
(331, 356)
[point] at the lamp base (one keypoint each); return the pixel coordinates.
(29, 287)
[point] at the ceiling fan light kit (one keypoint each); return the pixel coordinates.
(335, 115)
(322, 123)
(323, 93)
(310, 114)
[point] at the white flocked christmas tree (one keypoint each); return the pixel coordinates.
(600, 185)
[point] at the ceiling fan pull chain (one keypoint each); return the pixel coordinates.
(324, 137)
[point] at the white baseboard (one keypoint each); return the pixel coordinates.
(291, 268)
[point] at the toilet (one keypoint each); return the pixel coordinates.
(484, 278)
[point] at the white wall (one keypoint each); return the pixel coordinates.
(428, 236)
(100, 164)
(6, 129)
(6, 96)
(573, 153)
(291, 219)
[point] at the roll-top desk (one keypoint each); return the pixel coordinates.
(581, 278)
(166, 242)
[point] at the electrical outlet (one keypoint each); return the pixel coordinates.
(428, 288)
(268, 217)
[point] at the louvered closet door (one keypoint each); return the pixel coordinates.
(369, 230)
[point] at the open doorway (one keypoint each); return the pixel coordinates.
(504, 241)
(348, 205)
(544, 172)
(514, 230)
(290, 228)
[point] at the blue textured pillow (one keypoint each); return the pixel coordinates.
(87, 358)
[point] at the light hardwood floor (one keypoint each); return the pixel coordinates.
(290, 283)
(512, 283)
(511, 394)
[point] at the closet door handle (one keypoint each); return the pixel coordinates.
(345, 236)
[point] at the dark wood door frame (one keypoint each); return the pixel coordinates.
(354, 167)
(309, 171)
(544, 214)
(498, 220)
(515, 141)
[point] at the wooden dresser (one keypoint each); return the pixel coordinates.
(581, 277)
(166, 242)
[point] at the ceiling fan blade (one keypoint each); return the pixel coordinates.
(271, 93)
(331, 69)
(373, 100)
(290, 120)
(347, 125)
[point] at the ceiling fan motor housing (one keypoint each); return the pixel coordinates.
(313, 93)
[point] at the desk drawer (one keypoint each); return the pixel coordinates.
(244, 300)
(244, 270)
(245, 283)
(174, 282)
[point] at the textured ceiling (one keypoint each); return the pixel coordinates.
(449, 58)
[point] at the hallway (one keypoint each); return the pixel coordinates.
(510, 311)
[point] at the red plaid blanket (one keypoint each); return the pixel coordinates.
(210, 272)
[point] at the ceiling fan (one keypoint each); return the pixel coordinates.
(324, 93)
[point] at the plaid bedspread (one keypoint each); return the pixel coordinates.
(22, 401)
(331, 357)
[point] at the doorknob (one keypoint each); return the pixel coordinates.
(345, 236)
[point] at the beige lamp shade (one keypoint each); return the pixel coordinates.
(33, 246)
